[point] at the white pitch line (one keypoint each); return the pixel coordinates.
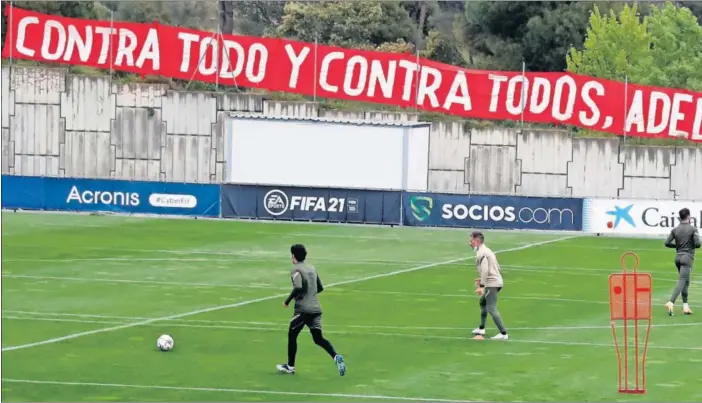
(234, 258)
(129, 281)
(413, 335)
(223, 324)
(238, 257)
(268, 298)
(228, 390)
(270, 287)
(166, 283)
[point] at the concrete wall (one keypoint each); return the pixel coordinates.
(57, 124)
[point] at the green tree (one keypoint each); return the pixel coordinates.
(189, 14)
(663, 48)
(442, 49)
(676, 48)
(695, 7)
(347, 23)
(617, 45)
(500, 35)
(257, 18)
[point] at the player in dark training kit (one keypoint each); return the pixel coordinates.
(685, 239)
(308, 310)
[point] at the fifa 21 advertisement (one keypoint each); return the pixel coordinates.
(498, 212)
(117, 196)
(632, 216)
(311, 204)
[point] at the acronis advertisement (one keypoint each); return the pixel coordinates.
(118, 196)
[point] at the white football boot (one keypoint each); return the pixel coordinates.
(686, 309)
(670, 307)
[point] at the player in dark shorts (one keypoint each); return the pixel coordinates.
(685, 238)
(308, 310)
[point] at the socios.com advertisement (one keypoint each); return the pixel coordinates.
(498, 212)
(119, 196)
(632, 216)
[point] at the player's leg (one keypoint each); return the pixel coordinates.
(685, 273)
(679, 286)
(480, 331)
(296, 324)
(491, 305)
(314, 322)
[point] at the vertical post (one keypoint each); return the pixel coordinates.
(626, 103)
(314, 90)
(109, 41)
(636, 324)
(219, 42)
(416, 84)
(9, 22)
(523, 100)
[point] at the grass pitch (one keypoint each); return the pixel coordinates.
(85, 298)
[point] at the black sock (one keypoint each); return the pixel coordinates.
(292, 350)
(322, 342)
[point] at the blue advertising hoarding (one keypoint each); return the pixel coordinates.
(311, 204)
(118, 196)
(492, 212)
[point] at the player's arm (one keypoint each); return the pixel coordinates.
(484, 271)
(696, 238)
(320, 287)
(670, 241)
(297, 287)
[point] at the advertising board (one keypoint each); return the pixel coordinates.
(311, 204)
(499, 212)
(118, 196)
(632, 216)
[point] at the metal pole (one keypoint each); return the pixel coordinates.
(316, 43)
(523, 100)
(224, 52)
(626, 102)
(12, 48)
(112, 25)
(217, 51)
(192, 76)
(416, 90)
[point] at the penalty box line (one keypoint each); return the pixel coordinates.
(262, 299)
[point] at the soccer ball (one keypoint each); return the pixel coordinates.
(165, 343)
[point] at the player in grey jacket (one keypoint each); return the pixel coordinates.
(685, 239)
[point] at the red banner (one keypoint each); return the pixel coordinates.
(357, 75)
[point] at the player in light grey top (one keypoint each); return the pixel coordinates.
(489, 283)
(685, 239)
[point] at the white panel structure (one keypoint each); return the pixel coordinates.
(326, 152)
(417, 161)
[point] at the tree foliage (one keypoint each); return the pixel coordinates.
(503, 34)
(347, 23)
(663, 48)
(258, 18)
(190, 14)
(676, 48)
(617, 46)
